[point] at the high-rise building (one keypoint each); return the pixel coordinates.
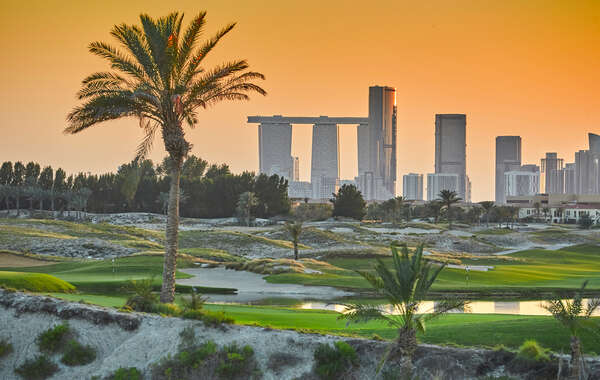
(508, 158)
(412, 187)
(450, 149)
(594, 142)
(275, 142)
(570, 171)
(295, 173)
(521, 182)
(554, 176)
(377, 143)
(436, 182)
(325, 169)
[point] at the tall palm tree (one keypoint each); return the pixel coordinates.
(157, 78)
(487, 206)
(295, 230)
(449, 198)
(577, 319)
(405, 286)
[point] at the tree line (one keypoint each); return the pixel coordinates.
(207, 190)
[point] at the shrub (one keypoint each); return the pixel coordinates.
(78, 354)
(130, 373)
(332, 362)
(5, 348)
(215, 319)
(52, 340)
(169, 309)
(143, 299)
(313, 211)
(236, 361)
(193, 302)
(39, 368)
(531, 350)
(186, 362)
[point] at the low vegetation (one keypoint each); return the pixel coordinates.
(77, 354)
(331, 362)
(54, 339)
(207, 361)
(41, 367)
(130, 373)
(6, 348)
(531, 350)
(34, 282)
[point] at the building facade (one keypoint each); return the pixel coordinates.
(554, 177)
(436, 182)
(412, 187)
(521, 183)
(508, 158)
(450, 149)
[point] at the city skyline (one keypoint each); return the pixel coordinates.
(513, 68)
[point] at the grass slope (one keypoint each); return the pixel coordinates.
(34, 282)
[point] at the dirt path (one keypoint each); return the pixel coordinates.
(8, 260)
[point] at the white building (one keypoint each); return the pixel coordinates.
(436, 182)
(412, 186)
(300, 189)
(518, 183)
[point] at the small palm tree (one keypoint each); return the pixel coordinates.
(405, 286)
(577, 319)
(295, 230)
(487, 206)
(449, 198)
(158, 78)
(537, 206)
(546, 211)
(435, 207)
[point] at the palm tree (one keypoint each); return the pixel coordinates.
(546, 211)
(487, 206)
(295, 230)
(435, 208)
(577, 319)
(537, 208)
(157, 78)
(405, 286)
(449, 198)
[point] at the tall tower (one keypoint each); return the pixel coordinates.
(508, 158)
(325, 169)
(275, 148)
(377, 148)
(451, 148)
(554, 180)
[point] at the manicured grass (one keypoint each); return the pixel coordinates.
(534, 270)
(105, 277)
(461, 329)
(34, 282)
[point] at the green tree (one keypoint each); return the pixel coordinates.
(349, 202)
(448, 198)
(546, 211)
(6, 179)
(246, 203)
(487, 207)
(58, 187)
(46, 181)
(576, 318)
(18, 181)
(434, 209)
(585, 222)
(294, 229)
(392, 209)
(271, 192)
(405, 285)
(157, 77)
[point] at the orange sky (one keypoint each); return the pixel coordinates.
(515, 67)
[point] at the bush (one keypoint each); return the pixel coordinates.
(332, 362)
(78, 354)
(39, 368)
(313, 211)
(531, 350)
(236, 361)
(52, 340)
(143, 299)
(130, 373)
(193, 302)
(210, 318)
(5, 348)
(169, 309)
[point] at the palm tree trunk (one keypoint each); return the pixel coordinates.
(296, 250)
(576, 362)
(407, 345)
(167, 293)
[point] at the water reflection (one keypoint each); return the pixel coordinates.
(474, 307)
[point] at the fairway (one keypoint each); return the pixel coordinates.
(528, 272)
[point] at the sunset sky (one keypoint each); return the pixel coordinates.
(515, 67)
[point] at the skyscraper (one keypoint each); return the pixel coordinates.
(554, 176)
(325, 169)
(436, 182)
(412, 187)
(508, 158)
(377, 142)
(275, 143)
(450, 149)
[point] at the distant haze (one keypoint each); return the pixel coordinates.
(527, 68)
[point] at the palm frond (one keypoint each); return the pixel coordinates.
(117, 59)
(102, 108)
(132, 38)
(189, 40)
(358, 313)
(194, 61)
(145, 146)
